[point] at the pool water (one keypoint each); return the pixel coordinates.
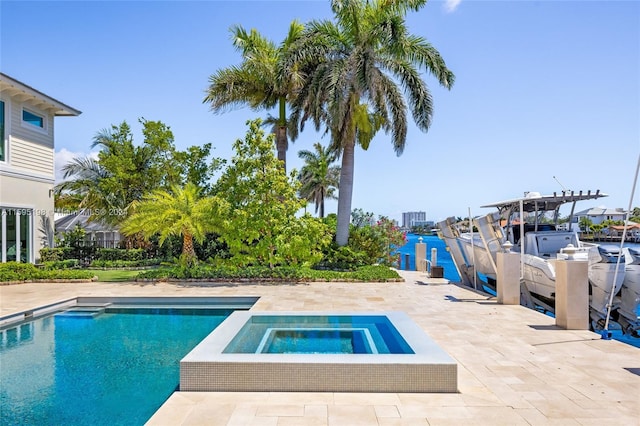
(317, 341)
(319, 334)
(114, 367)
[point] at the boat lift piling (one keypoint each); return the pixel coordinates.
(508, 276)
(572, 287)
(572, 292)
(423, 264)
(421, 256)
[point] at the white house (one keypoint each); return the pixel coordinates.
(597, 215)
(27, 171)
(97, 234)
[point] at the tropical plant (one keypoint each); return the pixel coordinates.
(597, 229)
(360, 218)
(362, 61)
(318, 178)
(585, 224)
(123, 172)
(47, 231)
(262, 226)
(264, 79)
(181, 212)
(84, 188)
(380, 241)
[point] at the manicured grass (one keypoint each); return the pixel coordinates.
(115, 275)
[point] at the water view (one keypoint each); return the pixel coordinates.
(450, 272)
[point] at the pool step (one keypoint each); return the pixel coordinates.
(86, 311)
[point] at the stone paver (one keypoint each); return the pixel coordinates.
(514, 365)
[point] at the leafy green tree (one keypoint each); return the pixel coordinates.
(261, 224)
(264, 79)
(318, 178)
(125, 172)
(196, 167)
(363, 61)
(181, 212)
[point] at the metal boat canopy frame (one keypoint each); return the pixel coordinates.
(534, 202)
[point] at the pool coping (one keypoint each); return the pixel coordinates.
(208, 368)
(211, 302)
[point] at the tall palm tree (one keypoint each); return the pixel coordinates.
(318, 178)
(264, 79)
(181, 212)
(368, 59)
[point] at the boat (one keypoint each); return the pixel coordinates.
(627, 313)
(529, 225)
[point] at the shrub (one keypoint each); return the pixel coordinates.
(55, 254)
(124, 263)
(380, 240)
(279, 273)
(120, 254)
(12, 271)
(62, 264)
(375, 273)
(342, 259)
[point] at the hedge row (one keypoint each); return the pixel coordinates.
(128, 255)
(124, 263)
(12, 271)
(282, 273)
(105, 254)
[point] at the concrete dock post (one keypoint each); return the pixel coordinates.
(421, 256)
(508, 278)
(572, 292)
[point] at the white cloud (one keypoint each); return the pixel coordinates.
(64, 156)
(451, 5)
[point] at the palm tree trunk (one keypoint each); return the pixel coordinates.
(281, 145)
(188, 252)
(345, 194)
(281, 134)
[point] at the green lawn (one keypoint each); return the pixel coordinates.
(116, 275)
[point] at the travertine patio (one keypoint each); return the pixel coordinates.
(514, 365)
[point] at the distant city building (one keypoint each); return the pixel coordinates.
(410, 219)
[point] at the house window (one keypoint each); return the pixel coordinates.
(33, 119)
(2, 143)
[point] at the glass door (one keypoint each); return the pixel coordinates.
(10, 231)
(15, 235)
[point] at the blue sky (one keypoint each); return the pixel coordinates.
(543, 89)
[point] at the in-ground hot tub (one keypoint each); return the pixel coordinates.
(318, 352)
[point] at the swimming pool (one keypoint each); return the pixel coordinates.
(318, 352)
(103, 361)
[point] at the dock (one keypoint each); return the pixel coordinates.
(515, 366)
